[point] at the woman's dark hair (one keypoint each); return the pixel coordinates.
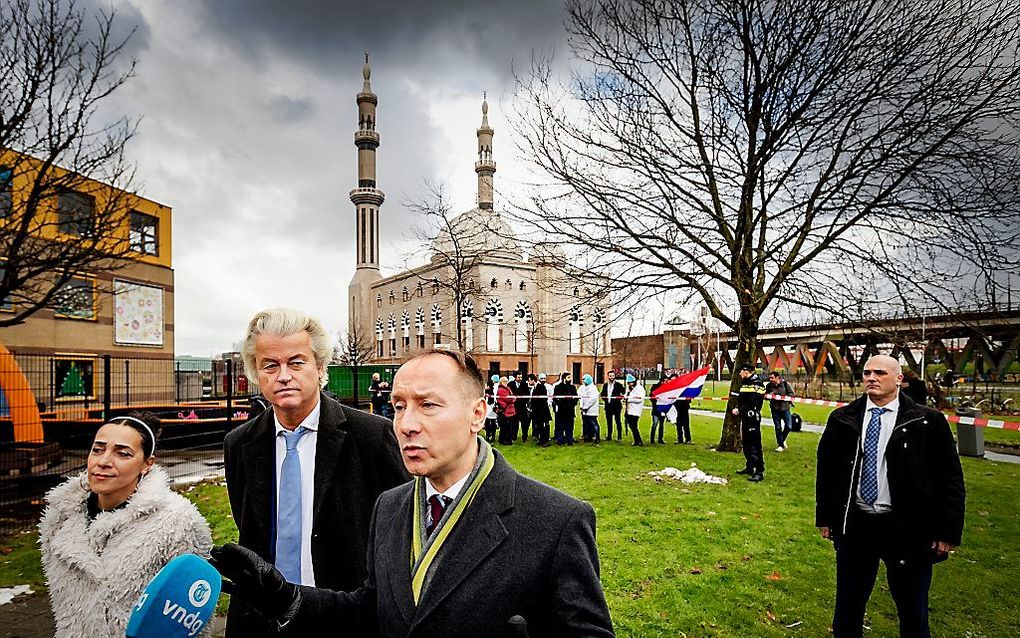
(131, 419)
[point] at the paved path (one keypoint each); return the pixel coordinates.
(29, 617)
(817, 428)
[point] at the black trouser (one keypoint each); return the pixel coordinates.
(524, 421)
(590, 428)
(632, 424)
(750, 436)
(507, 428)
(658, 425)
(613, 412)
(541, 430)
(565, 425)
(490, 430)
(683, 421)
(870, 538)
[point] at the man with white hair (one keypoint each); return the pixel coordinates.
(890, 488)
(302, 478)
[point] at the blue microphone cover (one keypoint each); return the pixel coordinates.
(178, 602)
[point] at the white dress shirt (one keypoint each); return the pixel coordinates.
(883, 503)
(306, 452)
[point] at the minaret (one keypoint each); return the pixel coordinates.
(367, 199)
(485, 166)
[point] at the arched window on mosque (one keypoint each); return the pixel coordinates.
(420, 290)
(391, 325)
(404, 295)
(575, 319)
(435, 287)
(493, 320)
(405, 329)
(597, 332)
(577, 291)
(419, 326)
(523, 287)
(378, 300)
(522, 327)
(393, 298)
(467, 312)
(437, 324)
(378, 336)
(509, 284)
(493, 283)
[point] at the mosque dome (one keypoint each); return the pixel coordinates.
(479, 231)
(548, 253)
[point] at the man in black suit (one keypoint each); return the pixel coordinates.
(538, 409)
(890, 488)
(310, 518)
(522, 392)
(565, 402)
(612, 397)
(470, 548)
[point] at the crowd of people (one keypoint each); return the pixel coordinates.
(547, 410)
(348, 520)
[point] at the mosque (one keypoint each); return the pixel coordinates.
(478, 291)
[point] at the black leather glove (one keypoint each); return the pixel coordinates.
(256, 581)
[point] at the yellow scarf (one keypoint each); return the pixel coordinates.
(424, 550)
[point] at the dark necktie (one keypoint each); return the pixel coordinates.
(437, 505)
(869, 473)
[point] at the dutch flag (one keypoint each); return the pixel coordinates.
(686, 386)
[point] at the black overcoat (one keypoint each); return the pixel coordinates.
(356, 459)
(923, 468)
(522, 548)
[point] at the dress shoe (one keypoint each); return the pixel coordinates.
(756, 478)
(744, 471)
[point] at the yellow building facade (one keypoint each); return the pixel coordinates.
(126, 311)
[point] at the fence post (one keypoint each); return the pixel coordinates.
(230, 392)
(106, 387)
(177, 382)
(127, 382)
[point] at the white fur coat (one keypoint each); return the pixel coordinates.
(97, 570)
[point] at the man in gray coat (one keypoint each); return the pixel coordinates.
(468, 548)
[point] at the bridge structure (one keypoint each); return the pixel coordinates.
(988, 341)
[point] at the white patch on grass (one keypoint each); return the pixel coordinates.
(693, 475)
(7, 594)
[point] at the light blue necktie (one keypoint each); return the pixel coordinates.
(288, 510)
(869, 473)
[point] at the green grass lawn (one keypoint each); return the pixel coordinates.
(741, 560)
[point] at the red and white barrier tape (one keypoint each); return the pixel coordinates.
(952, 418)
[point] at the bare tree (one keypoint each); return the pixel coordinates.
(58, 66)
(353, 348)
(828, 155)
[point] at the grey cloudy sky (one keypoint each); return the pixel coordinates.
(247, 133)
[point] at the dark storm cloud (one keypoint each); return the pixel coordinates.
(421, 34)
(285, 109)
(129, 25)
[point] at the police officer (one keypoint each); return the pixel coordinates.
(750, 397)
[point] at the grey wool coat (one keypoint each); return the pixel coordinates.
(521, 548)
(96, 571)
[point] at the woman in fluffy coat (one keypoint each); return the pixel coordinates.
(107, 532)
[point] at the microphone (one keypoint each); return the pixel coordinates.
(178, 602)
(518, 627)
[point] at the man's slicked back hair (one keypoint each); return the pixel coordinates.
(467, 367)
(284, 322)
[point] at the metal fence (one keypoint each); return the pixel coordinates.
(71, 396)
